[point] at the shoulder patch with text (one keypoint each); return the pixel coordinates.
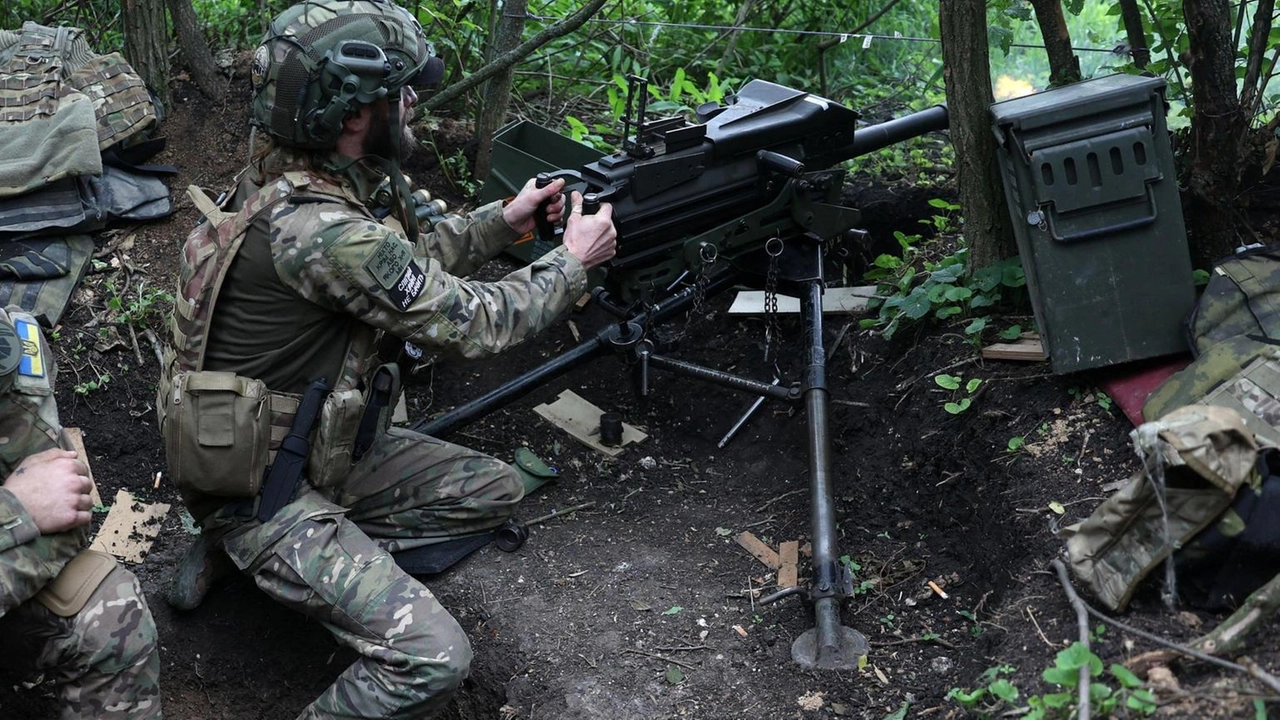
(388, 262)
(408, 287)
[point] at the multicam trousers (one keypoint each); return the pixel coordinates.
(104, 659)
(329, 559)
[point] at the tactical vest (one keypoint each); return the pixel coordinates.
(221, 430)
(61, 106)
(1199, 491)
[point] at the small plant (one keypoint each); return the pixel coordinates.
(138, 310)
(957, 405)
(939, 290)
(90, 386)
(1016, 444)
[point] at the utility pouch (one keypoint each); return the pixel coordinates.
(68, 593)
(330, 459)
(217, 433)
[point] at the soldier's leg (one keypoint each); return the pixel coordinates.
(412, 490)
(104, 659)
(414, 655)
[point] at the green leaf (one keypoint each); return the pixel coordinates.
(948, 274)
(1016, 443)
(889, 262)
(916, 305)
(987, 279)
(947, 311)
(967, 698)
(972, 385)
(1013, 332)
(1058, 700)
(1012, 276)
(675, 675)
(958, 293)
(1076, 656)
(1004, 690)
(1066, 677)
(1125, 676)
(673, 610)
(976, 327)
(949, 382)
(955, 408)
(938, 293)
(981, 301)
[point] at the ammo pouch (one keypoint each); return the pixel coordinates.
(217, 432)
(335, 436)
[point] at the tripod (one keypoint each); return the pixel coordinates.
(798, 268)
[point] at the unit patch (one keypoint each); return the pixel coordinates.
(408, 287)
(387, 264)
(32, 363)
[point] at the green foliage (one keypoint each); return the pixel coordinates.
(1016, 443)
(146, 304)
(1118, 694)
(913, 288)
(90, 386)
(960, 401)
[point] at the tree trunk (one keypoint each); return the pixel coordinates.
(146, 41)
(966, 66)
(1064, 66)
(1136, 34)
(496, 96)
(744, 11)
(196, 49)
(1213, 179)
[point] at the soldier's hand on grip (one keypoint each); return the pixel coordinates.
(521, 212)
(53, 486)
(591, 238)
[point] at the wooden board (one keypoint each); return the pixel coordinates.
(129, 531)
(581, 419)
(834, 300)
(757, 548)
(77, 443)
(788, 557)
(1026, 350)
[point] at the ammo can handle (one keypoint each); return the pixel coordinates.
(1133, 224)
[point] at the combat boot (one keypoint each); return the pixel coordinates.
(203, 566)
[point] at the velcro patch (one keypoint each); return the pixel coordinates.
(408, 286)
(32, 363)
(389, 262)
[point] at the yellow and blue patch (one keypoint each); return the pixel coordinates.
(32, 363)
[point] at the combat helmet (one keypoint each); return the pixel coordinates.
(322, 59)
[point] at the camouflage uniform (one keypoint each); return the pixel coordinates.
(104, 657)
(313, 280)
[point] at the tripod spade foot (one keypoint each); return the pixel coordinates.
(850, 646)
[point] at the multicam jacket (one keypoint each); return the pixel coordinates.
(316, 276)
(29, 424)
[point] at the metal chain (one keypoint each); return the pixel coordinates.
(707, 257)
(772, 330)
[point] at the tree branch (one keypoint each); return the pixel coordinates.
(507, 59)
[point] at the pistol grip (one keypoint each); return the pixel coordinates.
(546, 233)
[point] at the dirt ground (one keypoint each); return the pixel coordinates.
(643, 606)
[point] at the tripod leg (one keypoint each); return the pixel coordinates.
(828, 645)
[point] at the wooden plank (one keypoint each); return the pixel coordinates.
(76, 439)
(834, 300)
(788, 557)
(1024, 350)
(581, 419)
(130, 528)
(757, 548)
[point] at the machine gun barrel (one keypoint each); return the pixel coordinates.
(870, 138)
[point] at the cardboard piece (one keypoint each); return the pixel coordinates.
(834, 300)
(788, 557)
(76, 438)
(758, 549)
(128, 532)
(1025, 349)
(581, 419)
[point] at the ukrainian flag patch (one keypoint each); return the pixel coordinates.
(32, 364)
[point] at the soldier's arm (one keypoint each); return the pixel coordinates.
(362, 268)
(28, 560)
(462, 243)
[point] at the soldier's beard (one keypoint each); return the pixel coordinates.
(378, 140)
